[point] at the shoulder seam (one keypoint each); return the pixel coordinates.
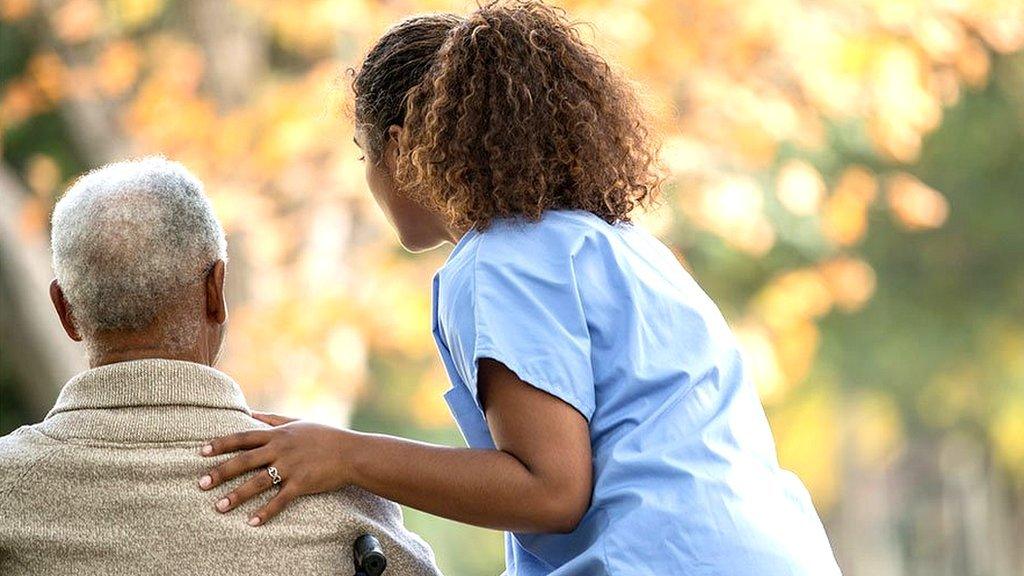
(476, 315)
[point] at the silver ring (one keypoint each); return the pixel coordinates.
(275, 477)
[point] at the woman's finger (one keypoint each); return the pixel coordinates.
(244, 462)
(258, 483)
(234, 442)
(272, 508)
(272, 419)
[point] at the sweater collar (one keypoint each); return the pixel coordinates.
(151, 400)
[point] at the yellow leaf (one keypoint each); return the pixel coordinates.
(42, 175)
(760, 359)
(844, 218)
(14, 10)
(807, 438)
(137, 13)
(49, 74)
(1007, 435)
(915, 205)
(77, 20)
(851, 282)
(794, 297)
(800, 188)
(118, 67)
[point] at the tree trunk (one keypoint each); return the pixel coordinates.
(31, 338)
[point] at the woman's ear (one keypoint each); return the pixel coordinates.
(391, 140)
(60, 304)
(216, 305)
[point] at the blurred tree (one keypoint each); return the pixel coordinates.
(845, 181)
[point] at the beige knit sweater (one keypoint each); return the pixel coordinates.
(107, 484)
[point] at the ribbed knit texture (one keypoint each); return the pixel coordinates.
(107, 484)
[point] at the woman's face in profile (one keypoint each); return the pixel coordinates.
(418, 228)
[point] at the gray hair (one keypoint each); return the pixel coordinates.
(127, 238)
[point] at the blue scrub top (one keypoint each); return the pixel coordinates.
(686, 480)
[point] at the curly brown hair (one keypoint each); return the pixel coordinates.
(507, 113)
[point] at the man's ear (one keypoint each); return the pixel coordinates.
(216, 306)
(390, 151)
(60, 304)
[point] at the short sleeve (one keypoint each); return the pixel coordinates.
(522, 308)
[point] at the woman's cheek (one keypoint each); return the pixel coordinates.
(374, 184)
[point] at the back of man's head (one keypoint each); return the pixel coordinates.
(134, 247)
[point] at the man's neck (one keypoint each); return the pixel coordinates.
(113, 356)
(151, 343)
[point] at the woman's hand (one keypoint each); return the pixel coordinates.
(308, 457)
(539, 479)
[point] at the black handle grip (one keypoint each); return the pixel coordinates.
(369, 556)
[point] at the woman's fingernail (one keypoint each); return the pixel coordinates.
(205, 482)
(254, 521)
(223, 504)
(207, 449)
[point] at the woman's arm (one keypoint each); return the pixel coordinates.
(538, 480)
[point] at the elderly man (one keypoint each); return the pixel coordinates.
(106, 483)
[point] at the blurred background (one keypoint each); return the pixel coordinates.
(846, 181)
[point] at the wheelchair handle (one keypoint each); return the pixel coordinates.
(368, 556)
